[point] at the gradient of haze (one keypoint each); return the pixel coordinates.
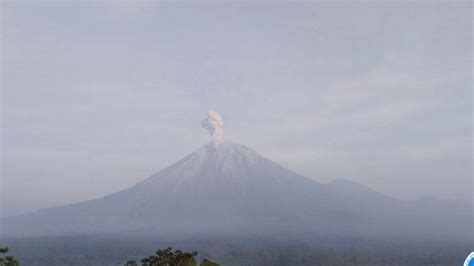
(98, 96)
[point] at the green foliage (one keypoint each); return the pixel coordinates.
(3, 250)
(7, 260)
(131, 263)
(206, 262)
(166, 257)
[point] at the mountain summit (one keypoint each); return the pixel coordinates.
(225, 188)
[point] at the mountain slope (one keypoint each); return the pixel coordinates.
(227, 188)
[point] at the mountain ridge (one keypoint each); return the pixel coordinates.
(228, 188)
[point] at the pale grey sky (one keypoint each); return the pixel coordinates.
(98, 96)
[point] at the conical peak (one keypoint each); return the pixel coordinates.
(221, 158)
(225, 145)
(227, 148)
(216, 152)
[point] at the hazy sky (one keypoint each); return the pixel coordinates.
(98, 96)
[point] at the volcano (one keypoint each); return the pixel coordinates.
(229, 189)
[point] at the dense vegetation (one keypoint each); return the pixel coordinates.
(166, 257)
(7, 260)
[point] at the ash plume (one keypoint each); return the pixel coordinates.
(213, 123)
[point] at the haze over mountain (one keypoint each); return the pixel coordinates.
(225, 189)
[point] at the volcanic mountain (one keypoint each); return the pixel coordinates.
(230, 189)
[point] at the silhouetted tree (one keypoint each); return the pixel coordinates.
(166, 257)
(7, 260)
(131, 263)
(206, 262)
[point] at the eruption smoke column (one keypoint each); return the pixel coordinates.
(214, 124)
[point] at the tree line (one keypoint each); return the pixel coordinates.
(166, 257)
(162, 257)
